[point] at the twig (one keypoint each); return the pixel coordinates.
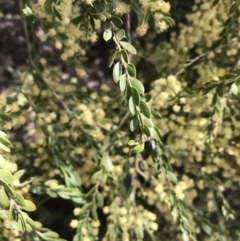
(29, 47)
(128, 27)
(192, 62)
(201, 56)
(119, 127)
(139, 171)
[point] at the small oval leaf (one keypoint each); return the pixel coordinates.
(138, 148)
(146, 131)
(19, 199)
(117, 71)
(138, 85)
(135, 96)
(145, 109)
(117, 21)
(29, 206)
(4, 200)
(129, 47)
(124, 56)
(146, 121)
(112, 58)
(134, 123)
(132, 143)
(131, 106)
(131, 70)
(120, 34)
(6, 176)
(122, 82)
(107, 35)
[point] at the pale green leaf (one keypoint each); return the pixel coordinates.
(129, 47)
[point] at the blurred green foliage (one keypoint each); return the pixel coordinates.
(152, 152)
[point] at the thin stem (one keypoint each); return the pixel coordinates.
(115, 132)
(128, 27)
(26, 34)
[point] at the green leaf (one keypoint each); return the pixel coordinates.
(117, 71)
(5, 144)
(47, 4)
(76, 237)
(120, 34)
(131, 106)
(4, 199)
(128, 93)
(144, 108)
(107, 25)
(138, 148)
(169, 21)
(95, 176)
(64, 195)
(124, 56)
(138, 85)
(156, 114)
(74, 179)
(132, 143)
(135, 96)
(3, 134)
(78, 200)
(56, 12)
(112, 58)
(19, 199)
(94, 212)
(146, 121)
(92, 21)
(131, 70)
(6, 176)
(122, 82)
(146, 131)
(77, 20)
(51, 234)
(17, 175)
(85, 208)
(206, 228)
(109, 8)
(100, 199)
(117, 21)
(46, 237)
(175, 214)
(29, 228)
(107, 35)
(172, 177)
(155, 133)
(7, 188)
(134, 123)
(129, 47)
(30, 221)
(29, 206)
(138, 11)
(106, 162)
(107, 15)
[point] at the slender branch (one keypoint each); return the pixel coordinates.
(128, 27)
(192, 62)
(94, 194)
(201, 56)
(139, 171)
(115, 131)
(29, 47)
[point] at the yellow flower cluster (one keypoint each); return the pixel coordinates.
(155, 5)
(130, 220)
(157, 8)
(162, 89)
(122, 8)
(70, 46)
